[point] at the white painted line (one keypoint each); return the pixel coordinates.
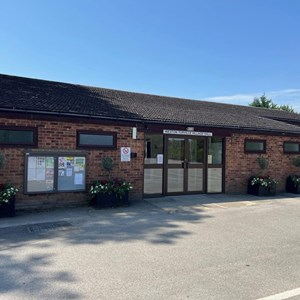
(282, 296)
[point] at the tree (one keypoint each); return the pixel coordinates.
(264, 102)
(286, 108)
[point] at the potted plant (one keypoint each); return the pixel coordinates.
(7, 200)
(109, 192)
(7, 195)
(262, 185)
(293, 181)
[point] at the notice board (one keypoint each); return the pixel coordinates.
(71, 173)
(54, 173)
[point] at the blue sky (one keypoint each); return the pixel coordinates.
(221, 50)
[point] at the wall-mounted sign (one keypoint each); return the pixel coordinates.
(125, 153)
(185, 132)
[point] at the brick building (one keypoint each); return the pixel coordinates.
(54, 136)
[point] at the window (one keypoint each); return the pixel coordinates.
(88, 139)
(215, 150)
(215, 170)
(153, 149)
(255, 146)
(18, 136)
(153, 164)
(291, 147)
(54, 172)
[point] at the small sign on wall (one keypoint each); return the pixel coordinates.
(186, 132)
(125, 153)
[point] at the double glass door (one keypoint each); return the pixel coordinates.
(185, 164)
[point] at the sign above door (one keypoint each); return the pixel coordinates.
(185, 132)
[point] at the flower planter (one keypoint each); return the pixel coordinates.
(290, 186)
(8, 209)
(259, 190)
(110, 200)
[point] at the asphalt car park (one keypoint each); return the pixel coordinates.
(191, 247)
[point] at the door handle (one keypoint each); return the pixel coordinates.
(184, 164)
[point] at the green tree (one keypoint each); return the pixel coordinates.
(286, 108)
(264, 102)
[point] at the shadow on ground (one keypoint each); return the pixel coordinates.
(153, 222)
(149, 223)
(26, 277)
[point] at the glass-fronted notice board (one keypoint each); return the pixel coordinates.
(54, 173)
(71, 173)
(40, 173)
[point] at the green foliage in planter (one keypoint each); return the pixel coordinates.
(295, 179)
(116, 186)
(262, 162)
(7, 191)
(265, 181)
(107, 164)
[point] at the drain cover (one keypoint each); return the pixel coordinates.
(41, 227)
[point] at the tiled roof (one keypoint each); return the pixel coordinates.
(48, 97)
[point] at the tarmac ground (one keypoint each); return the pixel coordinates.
(180, 247)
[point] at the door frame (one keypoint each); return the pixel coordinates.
(185, 172)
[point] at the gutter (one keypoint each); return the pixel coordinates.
(68, 115)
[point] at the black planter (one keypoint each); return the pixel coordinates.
(290, 186)
(110, 200)
(8, 209)
(258, 190)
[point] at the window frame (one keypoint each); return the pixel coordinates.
(291, 152)
(264, 142)
(99, 133)
(223, 150)
(159, 166)
(34, 130)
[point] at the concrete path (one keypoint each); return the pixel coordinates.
(169, 204)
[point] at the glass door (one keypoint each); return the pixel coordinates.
(195, 165)
(175, 165)
(185, 165)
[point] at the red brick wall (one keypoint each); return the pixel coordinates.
(240, 166)
(62, 135)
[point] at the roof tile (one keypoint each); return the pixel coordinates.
(19, 93)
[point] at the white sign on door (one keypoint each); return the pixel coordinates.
(125, 153)
(160, 159)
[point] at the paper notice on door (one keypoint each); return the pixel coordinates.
(160, 159)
